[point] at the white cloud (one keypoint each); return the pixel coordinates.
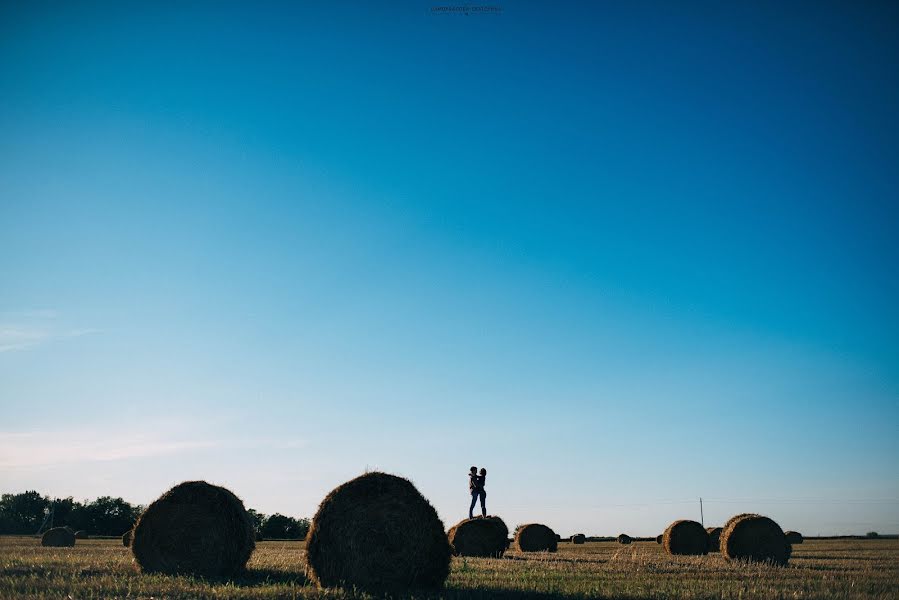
(30, 328)
(26, 450)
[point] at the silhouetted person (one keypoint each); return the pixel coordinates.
(476, 487)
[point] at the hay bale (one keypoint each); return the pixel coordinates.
(58, 537)
(194, 528)
(624, 538)
(535, 537)
(379, 534)
(578, 538)
(485, 536)
(755, 538)
(714, 538)
(685, 537)
(81, 535)
(793, 537)
(659, 539)
(126, 538)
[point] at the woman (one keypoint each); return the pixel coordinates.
(476, 484)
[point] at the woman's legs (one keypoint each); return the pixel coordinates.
(483, 496)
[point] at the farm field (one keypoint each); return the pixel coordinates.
(819, 569)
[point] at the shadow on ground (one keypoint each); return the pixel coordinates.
(257, 577)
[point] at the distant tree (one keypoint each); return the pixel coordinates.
(22, 513)
(281, 527)
(258, 519)
(872, 534)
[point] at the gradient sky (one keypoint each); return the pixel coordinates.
(623, 254)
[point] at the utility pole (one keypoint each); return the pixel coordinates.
(701, 515)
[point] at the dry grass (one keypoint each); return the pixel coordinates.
(826, 569)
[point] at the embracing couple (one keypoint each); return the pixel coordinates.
(476, 483)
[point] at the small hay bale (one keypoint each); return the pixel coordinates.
(755, 538)
(624, 538)
(793, 537)
(379, 534)
(195, 528)
(659, 539)
(578, 538)
(714, 538)
(485, 537)
(58, 537)
(82, 535)
(126, 538)
(535, 537)
(685, 537)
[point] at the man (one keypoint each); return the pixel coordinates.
(476, 484)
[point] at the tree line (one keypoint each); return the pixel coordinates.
(27, 512)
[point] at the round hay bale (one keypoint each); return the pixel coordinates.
(793, 537)
(714, 538)
(755, 538)
(126, 538)
(578, 538)
(685, 537)
(194, 528)
(58, 537)
(379, 534)
(81, 535)
(624, 538)
(659, 539)
(535, 537)
(486, 536)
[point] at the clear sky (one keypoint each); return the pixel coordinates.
(623, 254)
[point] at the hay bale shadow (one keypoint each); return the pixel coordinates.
(259, 577)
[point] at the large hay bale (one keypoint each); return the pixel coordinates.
(535, 537)
(485, 536)
(194, 528)
(82, 535)
(686, 537)
(624, 538)
(379, 534)
(578, 538)
(755, 538)
(793, 537)
(58, 537)
(126, 538)
(659, 539)
(714, 538)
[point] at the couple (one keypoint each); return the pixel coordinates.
(476, 483)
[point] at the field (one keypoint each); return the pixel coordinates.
(819, 569)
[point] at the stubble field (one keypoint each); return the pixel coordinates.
(819, 569)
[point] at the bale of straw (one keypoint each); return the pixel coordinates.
(58, 537)
(714, 538)
(194, 528)
(685, 537)
(126, 538)
(755, 538)
(624, 538)
(377, 533)
(81, 535)
(659, 539)
(793, 537)
(486, 536)
(535, 537)
(578, 538)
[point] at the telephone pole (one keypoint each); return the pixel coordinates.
(701, 515)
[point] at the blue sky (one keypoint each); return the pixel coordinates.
(624, 255)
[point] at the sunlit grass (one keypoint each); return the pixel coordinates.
(826, 569)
